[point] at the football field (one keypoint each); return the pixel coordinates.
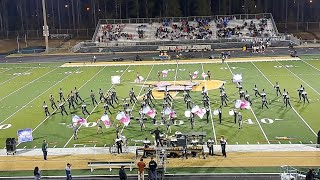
(24, 88)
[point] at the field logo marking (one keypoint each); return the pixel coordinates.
(248, 121)
(5, 126)
(90, 124)
(267, 121)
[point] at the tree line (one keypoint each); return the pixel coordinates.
(76, 14)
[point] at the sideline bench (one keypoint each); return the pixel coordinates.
(95, 165)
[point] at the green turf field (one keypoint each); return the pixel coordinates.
(24, 87)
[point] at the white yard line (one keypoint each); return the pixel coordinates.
(94, 108)
(56, 109)
(175, 77)
(298, 77)
(310, 65)
(27, 84)
(139, 92)
(36, 98)
(264, 134)
(214, 131)
(16, 76)
(292, 106)
(8, 69)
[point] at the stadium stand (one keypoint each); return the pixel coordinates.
(192, 28)
(153, 34)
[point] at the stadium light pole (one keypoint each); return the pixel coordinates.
(45, 26)
(286, 13)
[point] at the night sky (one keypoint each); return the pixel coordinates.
(74, 14)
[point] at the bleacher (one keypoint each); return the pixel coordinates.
(152, 34)
(180, 28)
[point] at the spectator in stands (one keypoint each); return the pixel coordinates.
(122, 173)
(153, 169)
(68, 171)
(141, 165)
(36, 173)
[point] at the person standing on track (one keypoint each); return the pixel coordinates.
(210, 146)
(223, 143)
(141, 165)
(45, 149)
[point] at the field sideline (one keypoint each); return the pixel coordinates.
(24, 87)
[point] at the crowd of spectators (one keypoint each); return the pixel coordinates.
(254, 30)
(111, 32)
(198, 29)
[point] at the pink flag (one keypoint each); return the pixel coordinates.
(195, 74)
(123, 118)
(78, 120)
(198, 111)
(164, 73)
(201, 112)
(106, 120)
(204, 75)
(242, 104)
(152, 113)
(173, 114)
(148, 111)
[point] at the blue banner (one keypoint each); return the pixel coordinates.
(24, 135)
